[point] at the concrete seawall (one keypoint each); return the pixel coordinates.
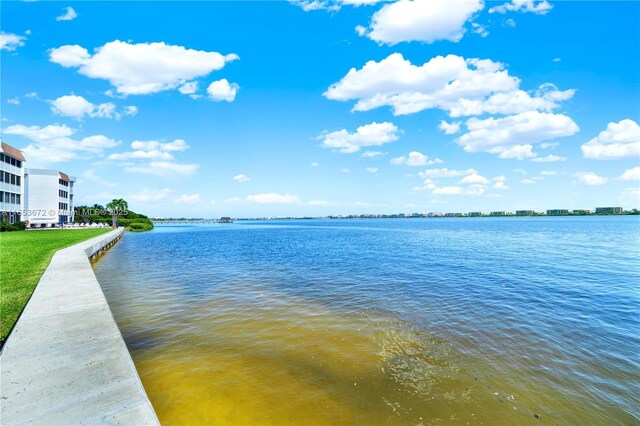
(65, 361)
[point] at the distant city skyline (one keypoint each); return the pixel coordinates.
(323, 107)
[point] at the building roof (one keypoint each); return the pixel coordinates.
(13, 152)
(64, 177)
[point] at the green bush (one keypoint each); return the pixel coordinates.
(7, 227)
(140, 227)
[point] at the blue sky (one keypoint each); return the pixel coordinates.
(328, 107)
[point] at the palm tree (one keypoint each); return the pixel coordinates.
(117, 206)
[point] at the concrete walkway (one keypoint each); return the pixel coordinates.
(65, 361)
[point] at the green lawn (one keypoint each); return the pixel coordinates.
(24, 255)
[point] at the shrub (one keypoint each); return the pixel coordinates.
(7, 227)
(140, 226)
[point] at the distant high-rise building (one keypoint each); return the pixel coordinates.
(475, 214)
(557, 212)
(498, 214)
(608, 210)
(525, 212)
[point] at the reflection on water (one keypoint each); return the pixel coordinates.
(382, 322)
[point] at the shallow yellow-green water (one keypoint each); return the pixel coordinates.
(289, 326)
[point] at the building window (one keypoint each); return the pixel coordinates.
(13, 179)
(19, 164)
(13, 161)
(17, 198)
(1, 157)
(18, 180)
(13, 198)
(6, 177)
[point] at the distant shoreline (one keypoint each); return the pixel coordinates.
(399, 216)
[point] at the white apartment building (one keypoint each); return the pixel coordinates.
(48, 197)
(12, 166)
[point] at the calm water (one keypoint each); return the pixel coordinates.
(408, 321)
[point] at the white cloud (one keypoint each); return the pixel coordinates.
(314, 164)
(510, 23)
(13, 101)
(549, 159)
(222, 90)
(513, 136)
(618, 140)
(142, 68)
(479, 29)
(528, 181)
(423, 21)
(415, 159)
(548, 173)
(374, 134)
(68, 15)
(151, 195)
(590, 178)
(241, 178)
(77, 107)
(445, 173)
(462, 87)
(372, 169)
(53, 143)
(372, 154)
(556, 59)
(10, 41)
(131, 110)
(521, 171)
(534, 6)
(500, 185)
(188, 199)
(273, 198)
(475, 178)
(331, 5)
(189, 88)
(151, 150)
(449, 128)
(631, 174)
(345, 170)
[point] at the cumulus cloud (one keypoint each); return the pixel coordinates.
(13, 101)
(618, 140)
(78, 107)
(222, 90)
(151, 150)
(372, 154)
(513, 136)
(549, 159)
(462, 87)
(143, 68)
(422, 21)
(273, 198)
(241, 178)
(54, 144)
(331, 5)
(539, 7)
(68, 15)
(500, 185)
(631, 174)
(458, 190)
(445, 173)
(475, 178)
(372, 169)
(449, 128)
(374, 134)
(10, 41)
(415, 159)
(590, 178)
